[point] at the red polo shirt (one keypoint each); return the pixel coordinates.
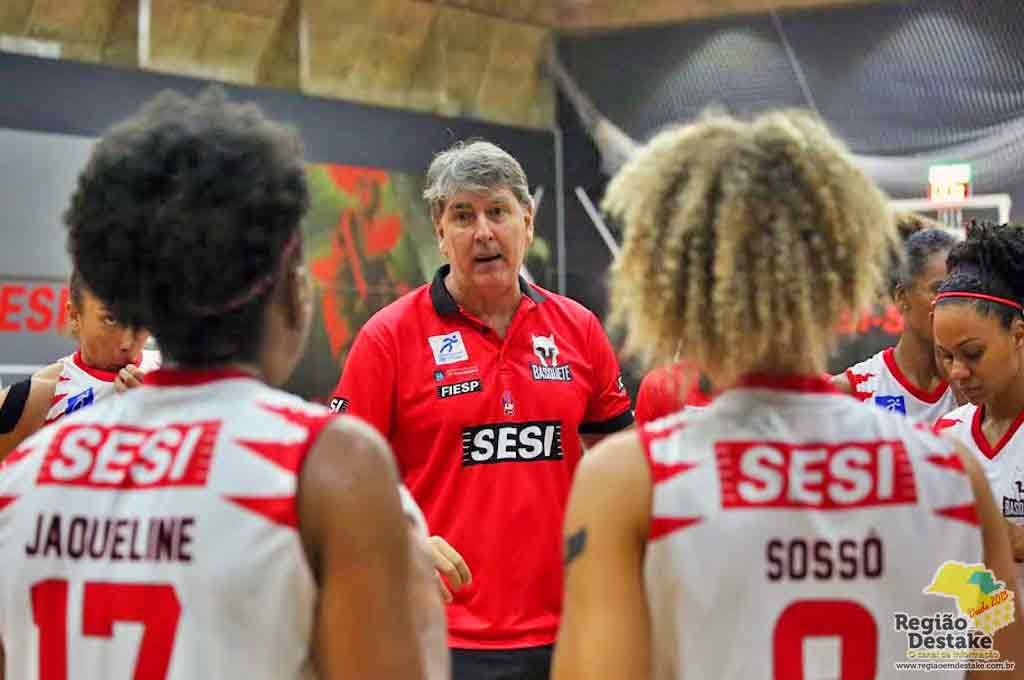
(485, 433)
(667, 389)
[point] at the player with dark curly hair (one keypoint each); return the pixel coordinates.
(714, 542)
(906, 378)
(250, 533)
(979, 338)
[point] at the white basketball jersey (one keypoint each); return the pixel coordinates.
(880, 381)
(80, 385)
(155, 536)
(1003, 462)
(789, 525)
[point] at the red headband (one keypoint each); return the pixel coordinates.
(979, 296)
(259, 287)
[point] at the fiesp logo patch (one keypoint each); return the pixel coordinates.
(455, 389)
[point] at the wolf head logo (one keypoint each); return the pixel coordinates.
(545, 348)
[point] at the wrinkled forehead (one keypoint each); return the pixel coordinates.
(475, 197)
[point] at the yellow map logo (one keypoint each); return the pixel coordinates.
(988, 603)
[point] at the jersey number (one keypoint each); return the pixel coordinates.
(156, 607)
(849, 621)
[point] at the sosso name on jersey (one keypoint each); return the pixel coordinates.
(824, 476)
(512, 442)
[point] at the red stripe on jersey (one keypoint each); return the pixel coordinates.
(990, 451)
(286, 456)
(56, 399)
(663, 526)
(817, 384)
(944, 424)
(950, 461)
(17, 454)
(7, 500)
(963, 513)
(99, 374)
(187, 377)
(662, 472)
(278, 510)
(855, 380)
(889, 357)
(312, 421)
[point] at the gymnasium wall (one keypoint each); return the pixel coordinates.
(368, 235)
(904, 84)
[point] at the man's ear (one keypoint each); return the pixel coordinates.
(528, 218)
(442, 245)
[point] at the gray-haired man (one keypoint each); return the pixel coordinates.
(483, 384)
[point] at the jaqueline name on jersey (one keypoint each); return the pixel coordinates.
(159, 539)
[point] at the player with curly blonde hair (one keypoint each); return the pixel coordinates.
(711, 543)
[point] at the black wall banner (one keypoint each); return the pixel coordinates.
(368, 238)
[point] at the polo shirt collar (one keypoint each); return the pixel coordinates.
(445, 305)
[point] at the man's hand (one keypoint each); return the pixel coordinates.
(128, 377)
(450, 564)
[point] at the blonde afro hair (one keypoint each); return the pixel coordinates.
(745, 244)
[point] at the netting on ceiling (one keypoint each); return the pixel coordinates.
(905, 84)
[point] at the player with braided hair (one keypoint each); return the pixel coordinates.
(906, 378)
(174, 505)
(979, 339)
(713, 542)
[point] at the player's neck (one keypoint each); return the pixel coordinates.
(916, 359)
(804, 365)
(494, 308)
(250, 367)
(1006, 406)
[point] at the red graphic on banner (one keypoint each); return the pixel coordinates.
(887, 320)
(355, 271)
(33, 308)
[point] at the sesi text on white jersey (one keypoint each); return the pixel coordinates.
(880, 381)
(1003, 462)
(789, 525)
(155, 536)
(80, 385)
